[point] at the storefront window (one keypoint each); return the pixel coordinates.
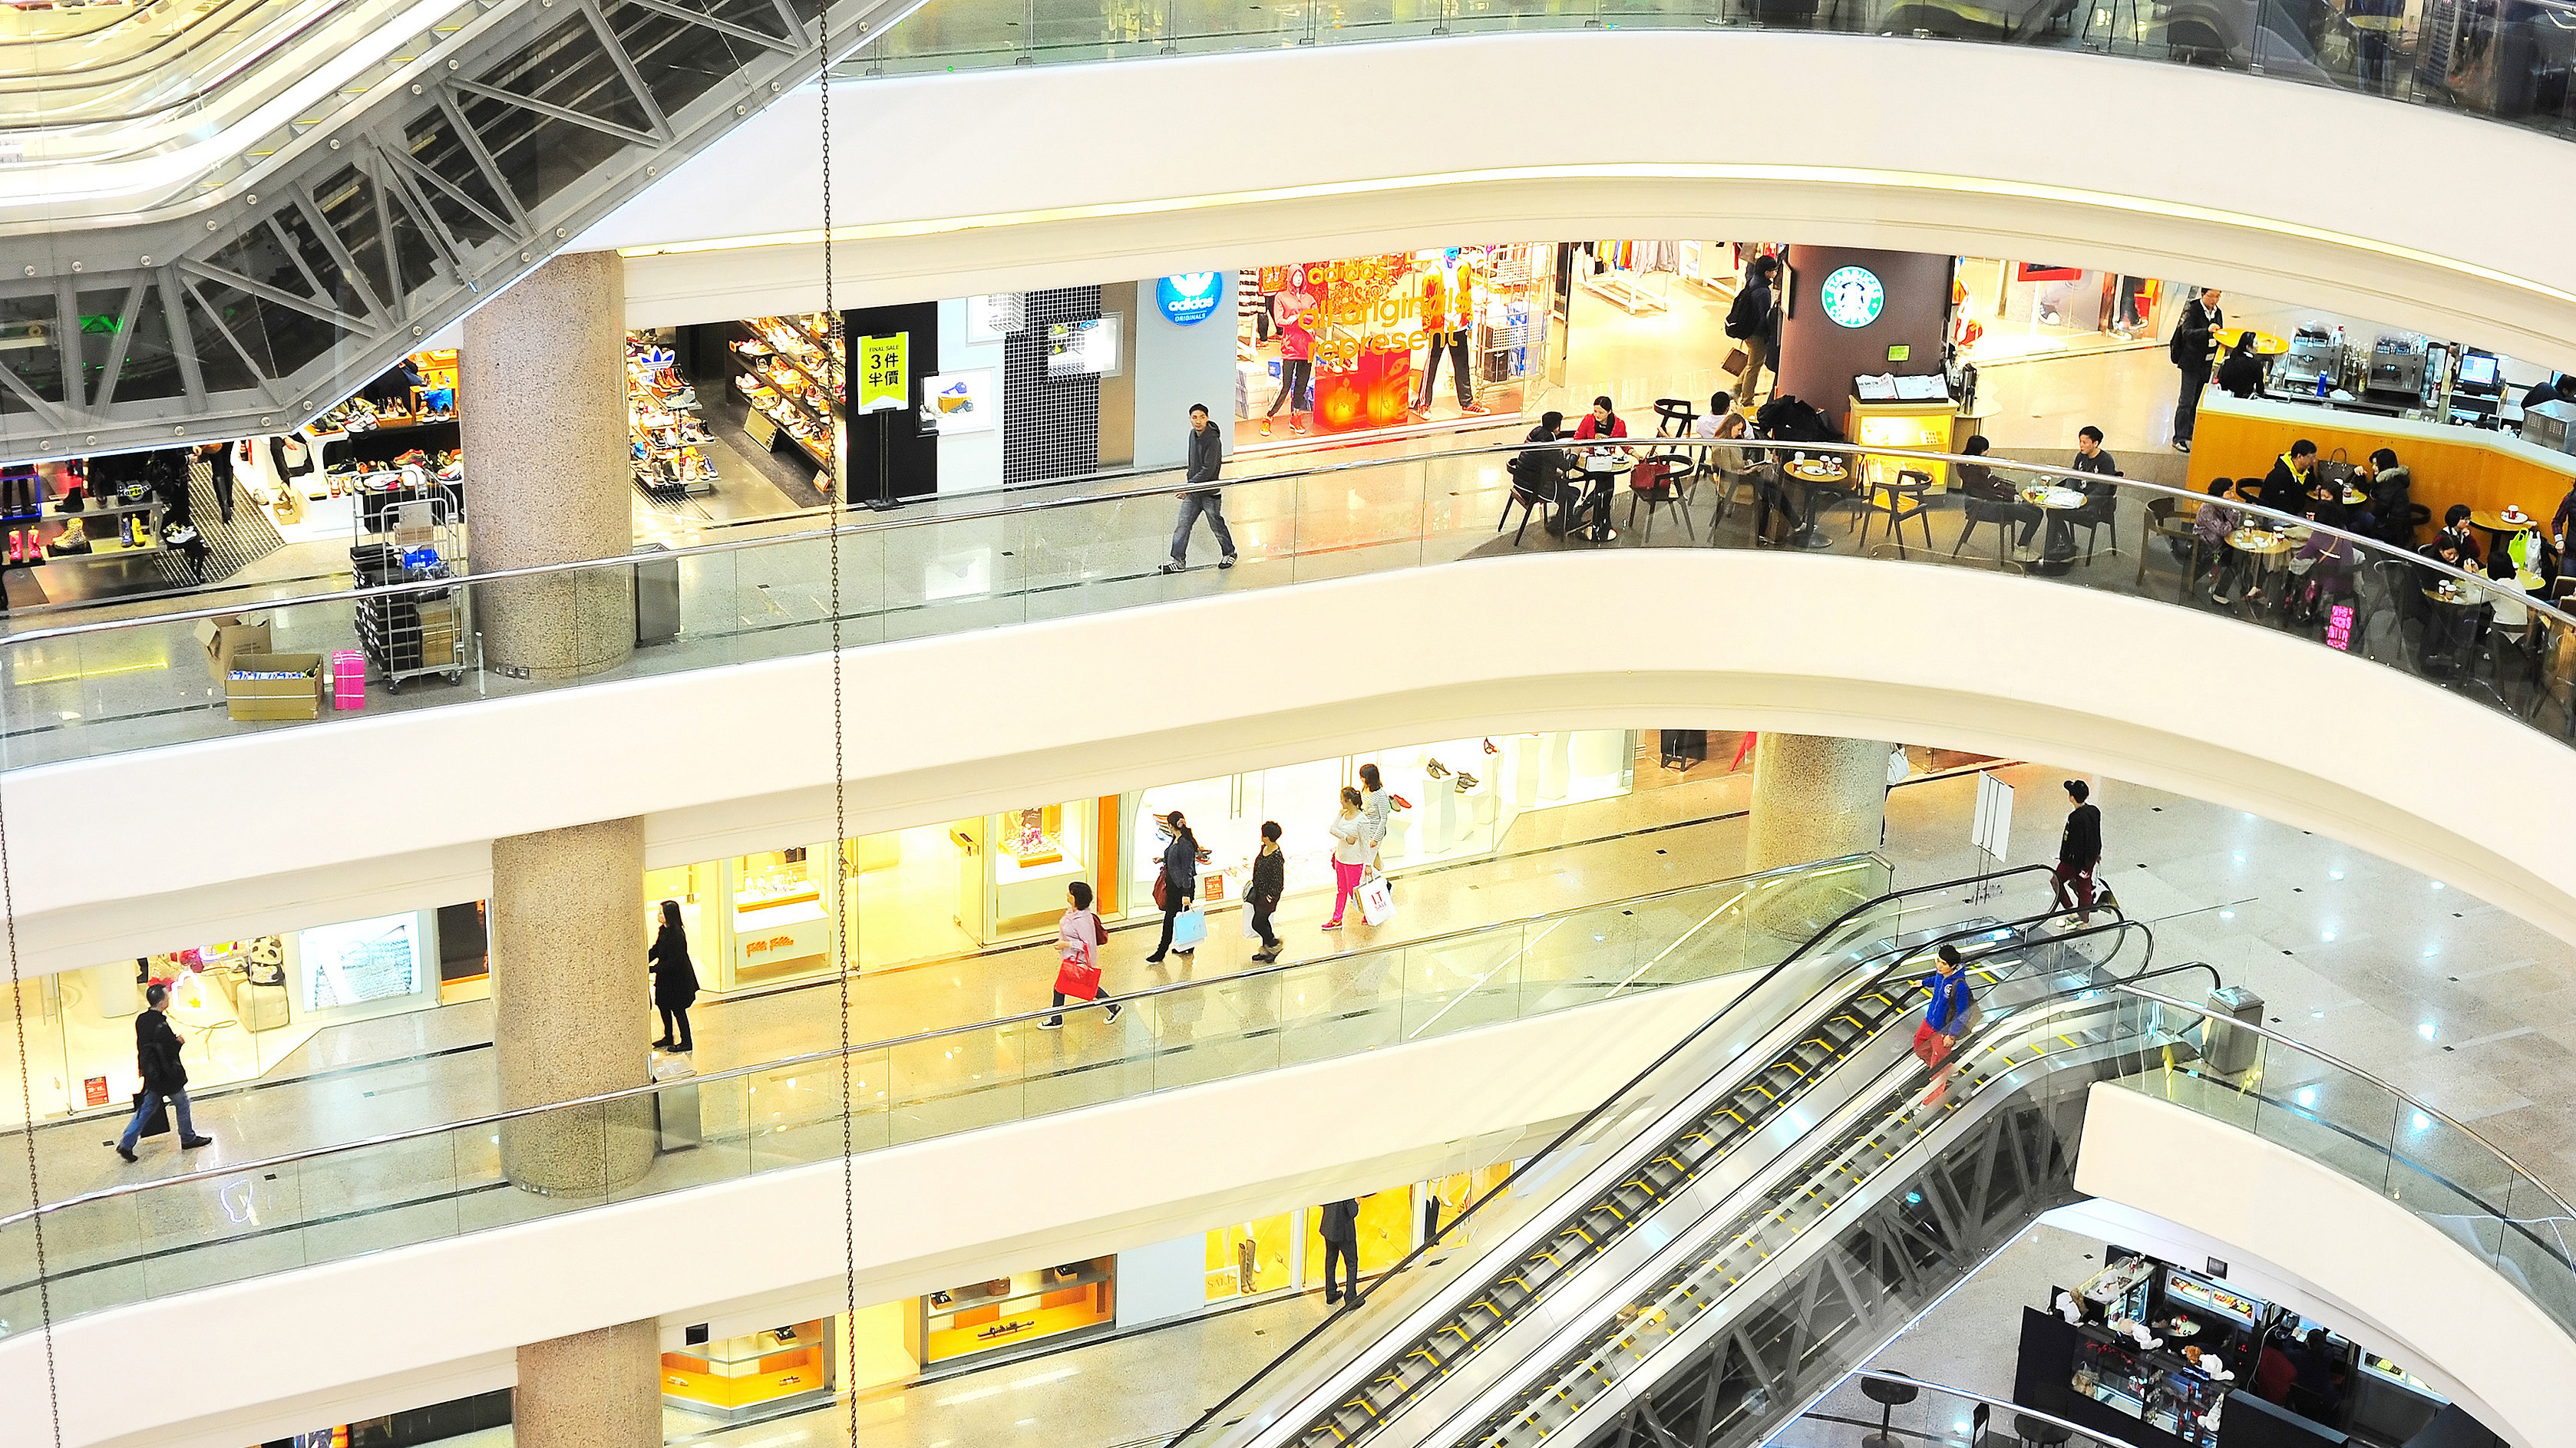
(1386, 1233)
(735, 1379)
(2002, 310)
(1460, 800)
(242, 1005)
(1008, 1313)
(780, 924)
(1037, 851)
(1379, 342)
(1248, 1258)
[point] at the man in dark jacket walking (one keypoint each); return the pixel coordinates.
(156, 1059)
(1207, 454)
(2194, 352)
(1340, 1229)
(1261, 896)
(2079, 850)
(1754, 321)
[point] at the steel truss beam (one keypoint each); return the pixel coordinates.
(260, 305)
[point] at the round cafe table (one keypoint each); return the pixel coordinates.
(2495, 525)
(1811, 474)
(2454, 624)
(2270, 551)
(2057, 548)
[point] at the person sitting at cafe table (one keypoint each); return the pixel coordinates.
(2101, 494)
(2559, 521)
(2391, 510)
(2455, 530)
(1995, 500)
(2323, 568)
(2285, 488)
(2211, 526)
(2448, 627)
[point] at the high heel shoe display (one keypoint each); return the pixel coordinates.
(1436, 770)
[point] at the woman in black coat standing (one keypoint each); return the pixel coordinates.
(1179, 884)
(675, 981)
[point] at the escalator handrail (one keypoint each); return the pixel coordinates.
(2017, 1020)
(2403, 1097)
(835, 1053)
(1495, 1192)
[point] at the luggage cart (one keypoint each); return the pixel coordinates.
(424, 630)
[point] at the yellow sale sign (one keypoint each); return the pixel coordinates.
(885, 379)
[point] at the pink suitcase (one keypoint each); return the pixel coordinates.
(348, 679)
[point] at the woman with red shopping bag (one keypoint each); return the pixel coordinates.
(1078, 938)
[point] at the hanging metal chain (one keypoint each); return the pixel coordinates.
(835, 477)
(26, 1093)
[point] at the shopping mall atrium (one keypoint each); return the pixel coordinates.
(930, 724)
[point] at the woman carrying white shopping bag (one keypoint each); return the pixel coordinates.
(1351, 852)
(1176, 884)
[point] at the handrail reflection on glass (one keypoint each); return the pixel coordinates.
(1449, 1231)
(2079, 1432)
(866, 527)
(2362, 1073)
(1747, 884)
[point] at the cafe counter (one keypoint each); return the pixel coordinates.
(2240, 438)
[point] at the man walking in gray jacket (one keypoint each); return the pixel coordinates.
(1207, 454)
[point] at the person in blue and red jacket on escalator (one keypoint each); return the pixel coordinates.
(1945, 1018)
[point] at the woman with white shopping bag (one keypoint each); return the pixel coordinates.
(1078, 938)
(1377, 803)
(1176, 885)
(1351, 852)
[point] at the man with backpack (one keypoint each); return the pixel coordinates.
(2194, 351)
(1754, 322)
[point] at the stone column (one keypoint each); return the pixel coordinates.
(571, 1004)
(542, 407)
(1813, 799)
(599, 1389)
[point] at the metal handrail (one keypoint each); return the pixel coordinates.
(834, 1053)
(2017, 1409)
(2372, 548)
(2365, 1074)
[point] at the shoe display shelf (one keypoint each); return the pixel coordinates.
(665, 434)
(790, 375)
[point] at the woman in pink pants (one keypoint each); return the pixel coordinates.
(1351, 853)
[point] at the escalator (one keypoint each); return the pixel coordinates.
(372, 194)
(1751, 1215)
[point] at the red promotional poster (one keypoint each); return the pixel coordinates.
(94, 1090)
(2040, 271)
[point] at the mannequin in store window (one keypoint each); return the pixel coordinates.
(1294, 311)
(1448, 320)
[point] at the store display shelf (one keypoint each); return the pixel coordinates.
(1044, 1288)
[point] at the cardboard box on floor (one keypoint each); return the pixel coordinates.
(296, 695)
(230, 634)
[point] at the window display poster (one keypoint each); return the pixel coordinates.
(959, 401)
(2040, 271)
(360, 961)
(1085, 348)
